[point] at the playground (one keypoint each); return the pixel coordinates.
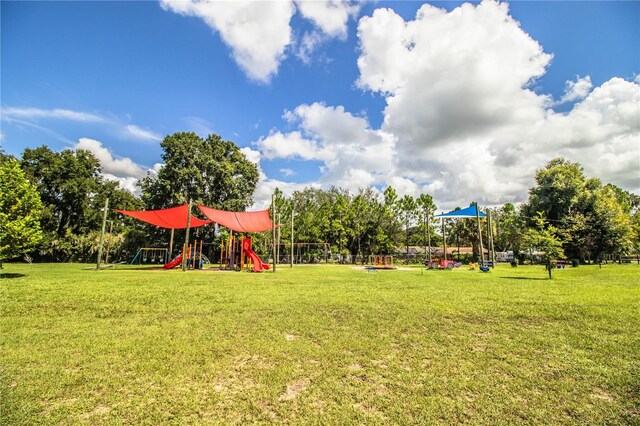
(324, 344)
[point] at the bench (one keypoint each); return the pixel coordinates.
(560, 264)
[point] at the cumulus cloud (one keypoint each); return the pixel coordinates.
(256, 32)
(331, 16)
(259, 32)
(462, 121)
(122, 167)
(251, 154)
(354, 155)
(576, 90)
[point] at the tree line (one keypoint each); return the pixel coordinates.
(51, 209)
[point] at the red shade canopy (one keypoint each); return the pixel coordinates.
(239, 221)
(172, 218)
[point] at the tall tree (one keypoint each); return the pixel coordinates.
(509, 228)
(210, 171)
(66, 182)
(20, 210)
(558, 187)
(427, 208)
(408, 208)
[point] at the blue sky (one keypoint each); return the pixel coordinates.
(464, 102)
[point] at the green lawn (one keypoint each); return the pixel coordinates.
(319, 345)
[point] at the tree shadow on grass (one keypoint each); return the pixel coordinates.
(525, 278)
(8, 275)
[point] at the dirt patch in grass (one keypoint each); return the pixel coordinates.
(100, 410)
(294, 389)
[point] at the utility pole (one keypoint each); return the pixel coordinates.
(104, 225)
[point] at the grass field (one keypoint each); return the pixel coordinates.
(320, 345)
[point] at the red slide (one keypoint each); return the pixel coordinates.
(175, 262)
(258, 266)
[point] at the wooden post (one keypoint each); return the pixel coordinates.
(278, 246)
(104, 225)
(291, 259)
(106, 257)
(480, 234)
(186, 240)
(171, 245)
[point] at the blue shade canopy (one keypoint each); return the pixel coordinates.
(468, 212)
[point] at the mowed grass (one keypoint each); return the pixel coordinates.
(320, 345)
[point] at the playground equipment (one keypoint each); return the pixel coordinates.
(193, 256)
(381, 262)
(150, 255)
(236, 254)
(252, 257)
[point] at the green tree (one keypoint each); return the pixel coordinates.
(593, 220)
(509, 225)
(558, 188)
(408, 209)
(66, 182)
(208, 171)
(544, 239)
(427, 208)
(20, 210)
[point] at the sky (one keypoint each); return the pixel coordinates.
(463, 101)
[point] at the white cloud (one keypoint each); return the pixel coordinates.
(259, 32)
(256, 32)
(127, 183)
(576, 90)
(292, 145)
(331, 16)
(461, 120)
(287, 172)
(9, 113)
(251, 154)
(353, 154)
(121, 167)
(307, 45)
(142, 134)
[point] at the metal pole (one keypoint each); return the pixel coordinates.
(186, 239)
(291, 259)
(480, 235)
(444, 240)
(490, 236)
(424, 236)
(104, 225)
(429, 237)
(273, 229)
